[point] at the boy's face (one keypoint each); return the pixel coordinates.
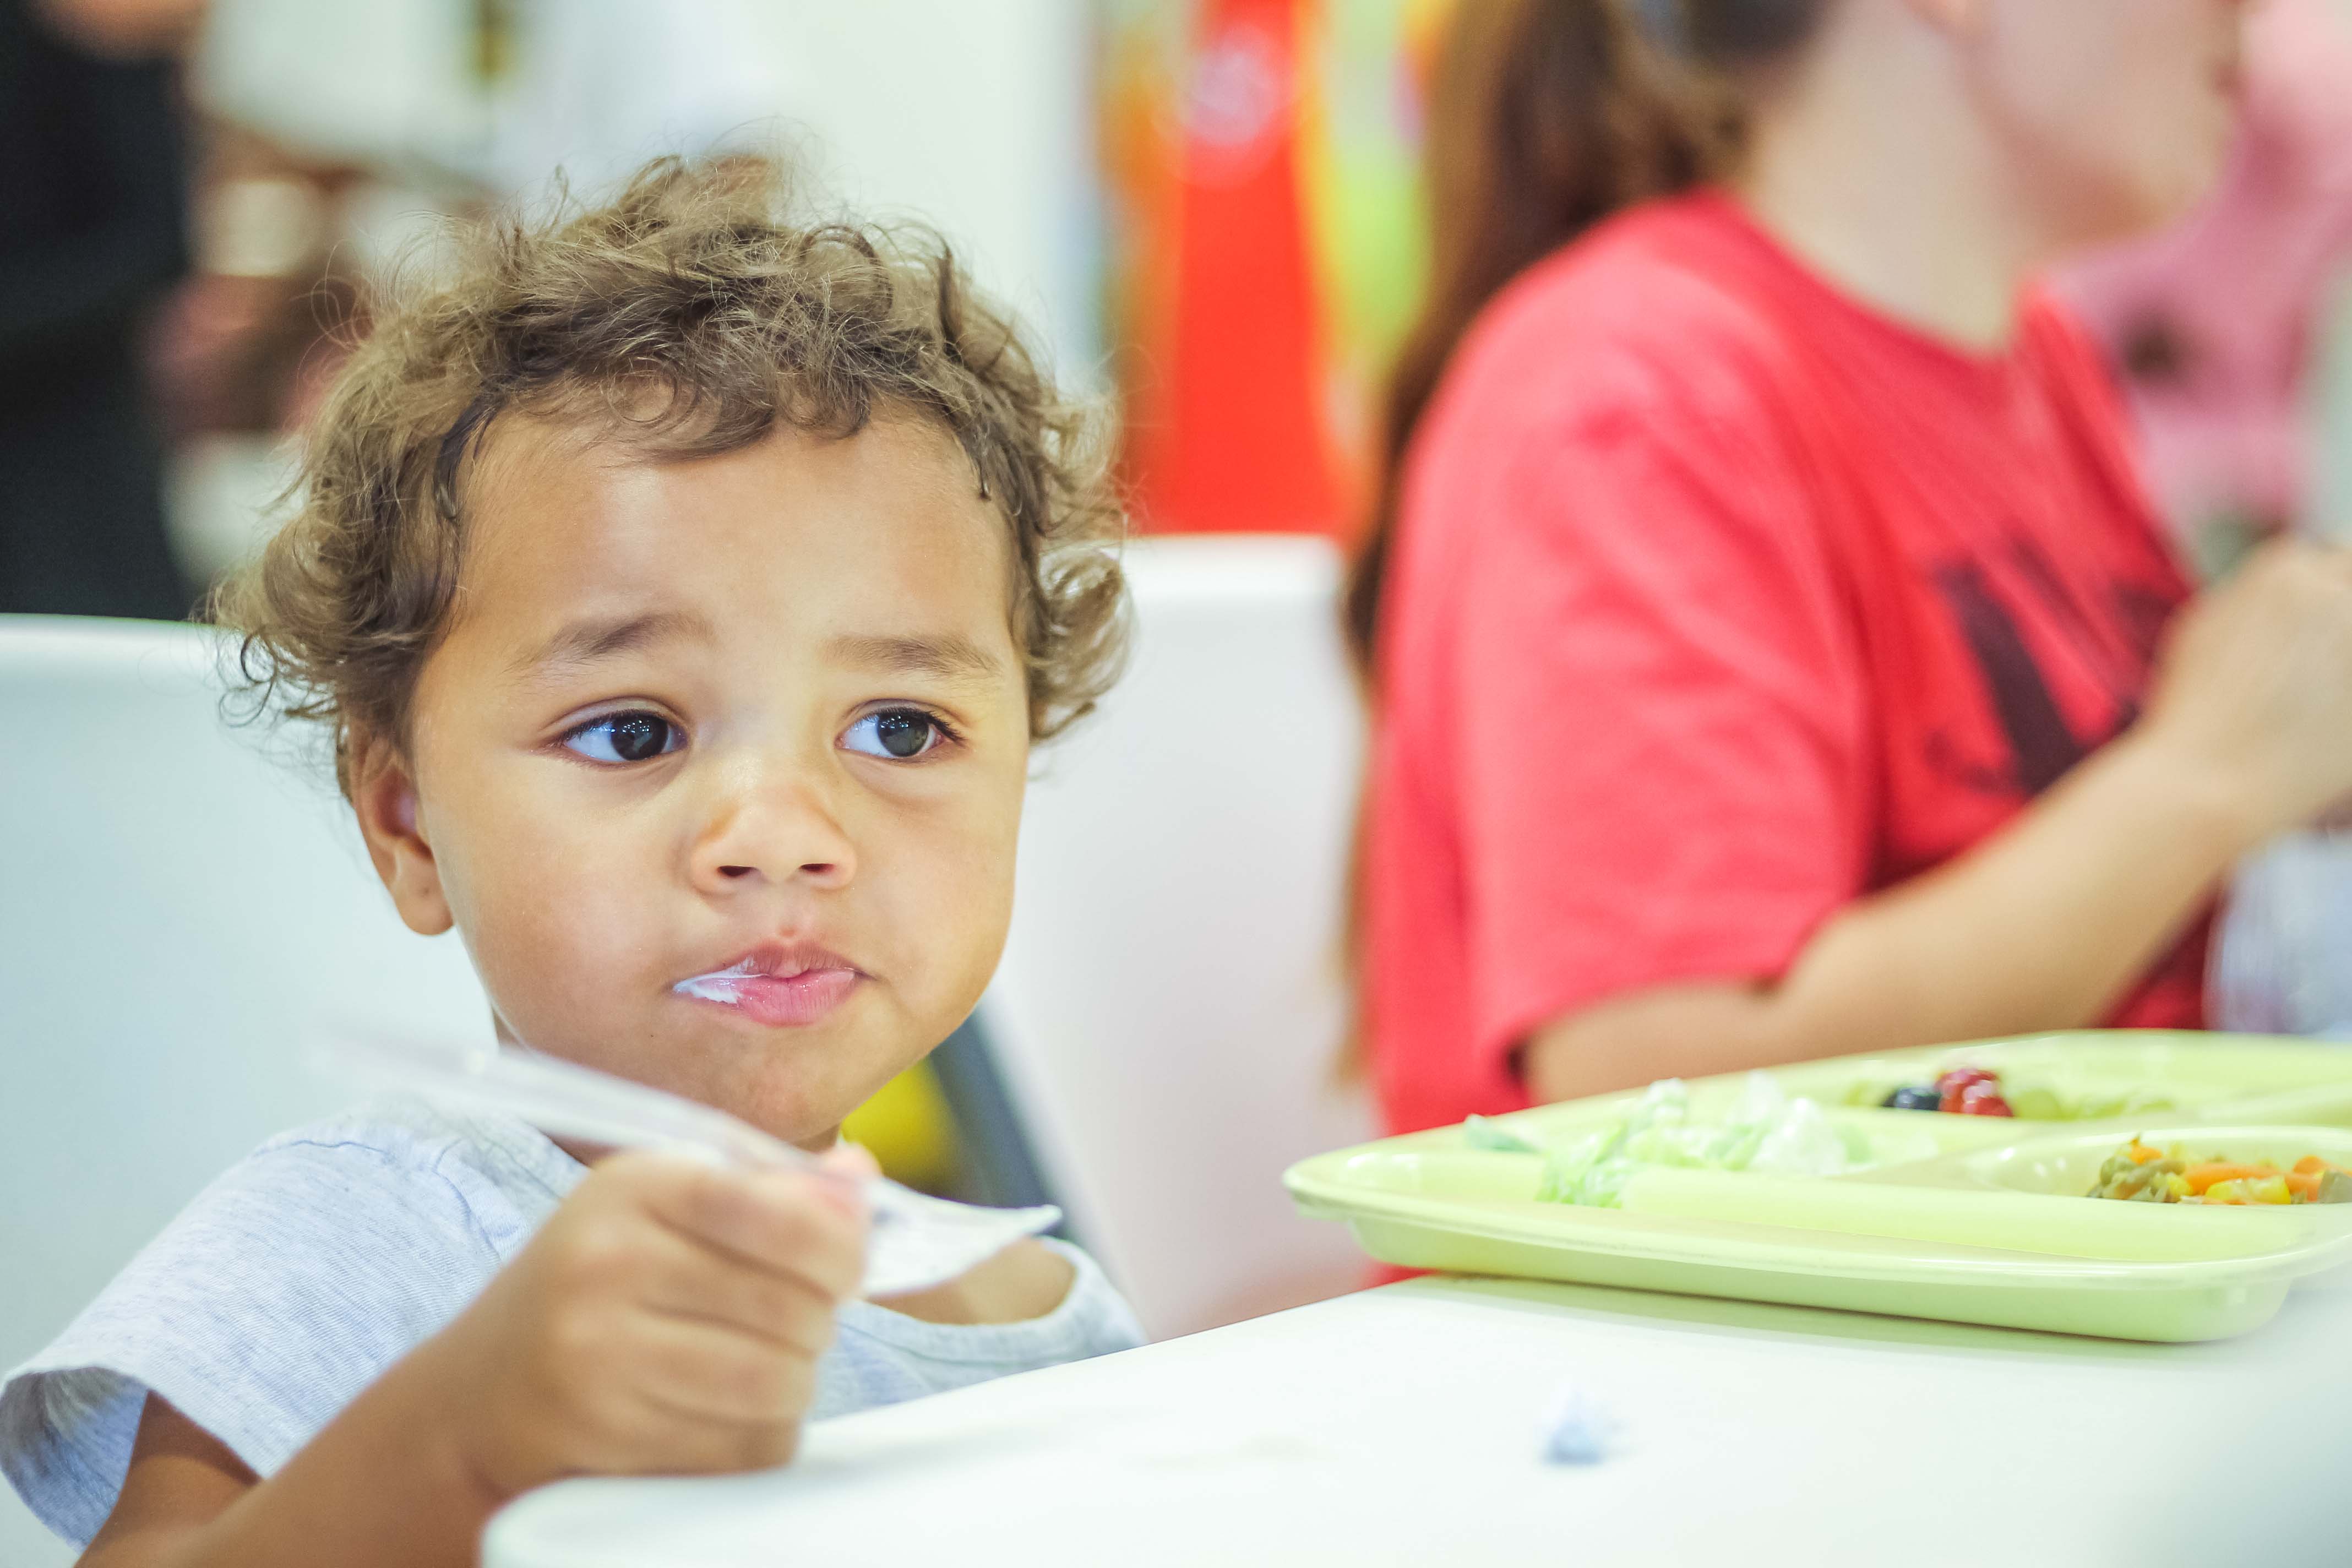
(718, 769)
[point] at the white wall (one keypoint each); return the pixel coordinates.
(974, 114)
(977, 115)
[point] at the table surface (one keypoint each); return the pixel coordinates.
(1403, 1425)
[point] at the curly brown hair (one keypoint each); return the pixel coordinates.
(689, 316)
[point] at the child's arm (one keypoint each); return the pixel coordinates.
(667, 1319)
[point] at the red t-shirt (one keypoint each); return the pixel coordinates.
(1718, 601)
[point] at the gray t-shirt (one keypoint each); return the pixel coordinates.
(316, 1262)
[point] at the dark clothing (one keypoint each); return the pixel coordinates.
(92, 232)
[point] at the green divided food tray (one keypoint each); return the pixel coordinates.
(1967, 1218)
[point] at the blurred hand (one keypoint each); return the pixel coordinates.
(667, 1319)
(2256, 689)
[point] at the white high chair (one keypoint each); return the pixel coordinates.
(178, 906)
(1171, 1004)
(183, 901)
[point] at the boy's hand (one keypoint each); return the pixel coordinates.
(669, 1317)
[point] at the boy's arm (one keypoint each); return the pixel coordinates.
(374, 1487)
(376, 1490)
(668, 1318)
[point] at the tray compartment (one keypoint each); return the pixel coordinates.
(2068, 1165)
(2201, 1077)
(2028, 1250)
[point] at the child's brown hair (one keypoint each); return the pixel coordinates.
(689, 316)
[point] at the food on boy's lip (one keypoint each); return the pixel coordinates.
(1766, 1132)
(1982, 1092)
(2139, 1173)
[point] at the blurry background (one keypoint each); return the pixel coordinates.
(1209, 210)
(1208, 207)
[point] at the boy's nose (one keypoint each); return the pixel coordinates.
(773, 831)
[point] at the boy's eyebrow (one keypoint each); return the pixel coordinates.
(950, 658)
(585, 642)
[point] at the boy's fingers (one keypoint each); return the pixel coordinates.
(715, 1374)
(691, 1443)
(781, 1221)
(855, 1161)
(782, 1309)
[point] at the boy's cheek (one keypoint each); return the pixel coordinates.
(542, 843)
(952, 927)
(547, 946)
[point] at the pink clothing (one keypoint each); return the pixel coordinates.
(2212, 323)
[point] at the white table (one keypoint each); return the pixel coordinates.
(1401, 1427)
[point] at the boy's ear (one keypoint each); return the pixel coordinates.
(384, 795)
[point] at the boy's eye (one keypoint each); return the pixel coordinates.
(626, 738)
(898, 733)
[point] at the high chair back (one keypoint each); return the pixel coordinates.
(178, 909)
(1171, 1008)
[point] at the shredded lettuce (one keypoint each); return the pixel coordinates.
(1767, 1131)
(1480, 1132)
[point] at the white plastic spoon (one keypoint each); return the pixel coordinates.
(917, 1241)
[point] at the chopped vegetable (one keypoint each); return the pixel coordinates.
(2202, 1177)
(2139, 1174)
(1481, 1132)
(1767, 1131)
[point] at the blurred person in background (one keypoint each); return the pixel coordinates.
(2212, 323)
(1775, 650)
(92, 234)
(2219, 328)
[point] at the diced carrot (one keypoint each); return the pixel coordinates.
(2141, 1153)
(2310, 1165)
(2303, 1183)
(2203, 1176)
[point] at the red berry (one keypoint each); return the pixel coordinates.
(1984, 1099)
(1959, 1081)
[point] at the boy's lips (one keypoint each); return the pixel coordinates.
(783, 986)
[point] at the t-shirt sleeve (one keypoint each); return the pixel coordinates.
(284, 1289)
(1659, 716)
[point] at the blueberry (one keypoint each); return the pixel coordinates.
(1915, 1097)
